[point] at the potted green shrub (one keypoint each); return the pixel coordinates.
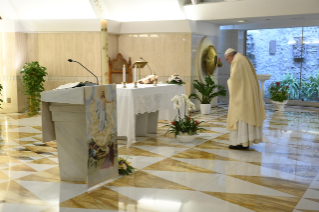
(310, 89)
(293, 83)
(207, 91)
(279, 95)
(33, 79)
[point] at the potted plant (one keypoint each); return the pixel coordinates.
(310, 89)
(33, 80)
(293, 83)
(185, 129)
(279, 95)
(207, 91)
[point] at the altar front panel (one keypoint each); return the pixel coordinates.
(101, 119)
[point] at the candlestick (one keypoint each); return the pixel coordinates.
(124, 73)
(135, 84)
(135, 73)
(124, 84)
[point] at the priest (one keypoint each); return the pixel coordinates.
(246, 112)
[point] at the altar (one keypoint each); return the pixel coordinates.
(141, 108)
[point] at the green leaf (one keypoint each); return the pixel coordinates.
(33, 82)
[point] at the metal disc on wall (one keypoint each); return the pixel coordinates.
(209, 60)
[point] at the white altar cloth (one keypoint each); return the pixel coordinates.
(144, 99)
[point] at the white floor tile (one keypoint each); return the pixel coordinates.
(8, 207)
(53, 193)
(165, 151)
(167, 200)
(307, 205)
(141, 162)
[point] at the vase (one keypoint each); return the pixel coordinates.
(280, 106)
(205, 108)
(185, 138)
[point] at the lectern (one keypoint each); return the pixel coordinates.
(83, 121)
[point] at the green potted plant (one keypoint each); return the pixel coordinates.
(310, 89)
(279, 95)
(293, 84)
(184, 128)
(207, 91)
(33, 79)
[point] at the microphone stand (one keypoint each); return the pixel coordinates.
(147, 65)
(97, 79)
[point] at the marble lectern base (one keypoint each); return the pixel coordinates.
(146, 123)
(70, 128)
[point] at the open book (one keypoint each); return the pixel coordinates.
(75, 84)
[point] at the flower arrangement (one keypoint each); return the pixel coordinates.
(278, 92)
(186, 125)
(150, 79)
(125, 167)
(175, 79)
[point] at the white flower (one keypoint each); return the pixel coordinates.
(124, 166)
(176, 100)
(190, 105)
(184, 97)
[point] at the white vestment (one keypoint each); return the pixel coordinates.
(246, 111)
(246, 135)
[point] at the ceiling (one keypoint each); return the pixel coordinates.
(219, 12)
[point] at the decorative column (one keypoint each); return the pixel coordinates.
(104, 45)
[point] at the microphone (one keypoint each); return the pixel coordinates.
(97, 79)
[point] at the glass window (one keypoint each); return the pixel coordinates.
(290, 55)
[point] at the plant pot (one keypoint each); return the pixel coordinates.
(205, 108)
(185, 138)
(280, 106)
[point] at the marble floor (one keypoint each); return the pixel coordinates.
(280, 174)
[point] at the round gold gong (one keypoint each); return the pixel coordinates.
(209, 60)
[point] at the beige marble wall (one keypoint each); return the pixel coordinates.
(168, 53)
(12, 57)
(51, 50)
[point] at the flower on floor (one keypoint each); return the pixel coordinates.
(185, 125)
(125, 167)
(175, 79)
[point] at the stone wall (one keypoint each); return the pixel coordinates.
(285, 56)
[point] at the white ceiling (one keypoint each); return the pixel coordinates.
(218, 12)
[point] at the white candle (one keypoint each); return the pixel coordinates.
(124, 73)
(135, 73)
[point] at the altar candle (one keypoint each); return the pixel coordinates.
(124, 73)
(135, 73)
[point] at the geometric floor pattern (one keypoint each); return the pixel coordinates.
(280, 174)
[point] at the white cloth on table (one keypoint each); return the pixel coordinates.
(144, 99)
(246, 135)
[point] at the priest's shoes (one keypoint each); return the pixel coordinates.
(238, 147)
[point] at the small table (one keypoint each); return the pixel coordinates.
(138, 109)
(262, 78)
